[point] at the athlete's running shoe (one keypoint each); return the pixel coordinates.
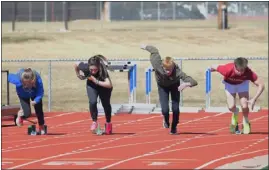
(246, 128)
(94, 126)
(108, 128)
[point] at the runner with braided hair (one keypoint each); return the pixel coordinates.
(98, 84)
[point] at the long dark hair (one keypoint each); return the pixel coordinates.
(100, 62)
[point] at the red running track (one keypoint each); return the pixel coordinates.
(138, 142)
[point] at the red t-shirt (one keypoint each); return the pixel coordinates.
(228, 71)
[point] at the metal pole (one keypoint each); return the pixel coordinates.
(206, 89)
(30, 11)
(158, 10)
(63, 5)
(149, 84)
(49, 87)
(224, 16)
(66, 15)
(174, 10)
(8, 100)
(134, 81)
(14, 15)
(209, 86)
(142, 10)
(206, 8)
(240, 8)
(45, 12)
(100, 10)
(129, 88)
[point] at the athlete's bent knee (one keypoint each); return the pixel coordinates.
(232, 108)
(245, 109)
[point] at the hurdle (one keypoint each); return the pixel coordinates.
(208, 88)
(157, 107)
(131, 68)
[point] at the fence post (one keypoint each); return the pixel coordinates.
(30, 11)
(174, 10)
(45, 12)
(141, 10)
(14, 15)
(159, 12)
(66, 15)
(49, 87)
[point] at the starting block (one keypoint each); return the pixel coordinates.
(33, 132)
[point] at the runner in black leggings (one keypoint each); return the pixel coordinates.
(98, 84)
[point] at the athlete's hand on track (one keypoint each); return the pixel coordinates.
(251, 103)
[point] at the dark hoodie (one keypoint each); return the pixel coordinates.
(161, 77)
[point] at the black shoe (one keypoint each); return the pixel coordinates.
(173, 131)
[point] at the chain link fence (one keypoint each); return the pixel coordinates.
(51, 15)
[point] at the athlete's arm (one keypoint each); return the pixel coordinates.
(188, 80)
(77, 70)
(222, 69)
(106, 83)
(259, 83)
(155, 58)
(214, 67)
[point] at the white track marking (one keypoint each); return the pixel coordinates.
(226, 157)
(63, 124)
(48, 145)
(158, 151)
(70, 153)
(59, 115)
(41, 140)
(232, 155)
(120, 146)
(104, 143)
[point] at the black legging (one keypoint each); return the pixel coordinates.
(25, 104)
(93, 92)
(164, 101)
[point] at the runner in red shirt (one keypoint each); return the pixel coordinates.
(236, 80)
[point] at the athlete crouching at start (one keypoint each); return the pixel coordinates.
(236, 80)
(29, 87)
